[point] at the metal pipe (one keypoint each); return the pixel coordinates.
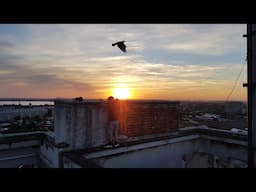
(251, 93)
(249, 80)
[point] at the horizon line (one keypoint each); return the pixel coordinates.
(64, 98)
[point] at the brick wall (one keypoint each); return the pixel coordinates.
(146, 118)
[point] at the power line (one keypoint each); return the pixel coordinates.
(233, 88)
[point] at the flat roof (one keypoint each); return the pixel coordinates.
(183, 134)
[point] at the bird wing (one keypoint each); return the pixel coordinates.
(122, 46)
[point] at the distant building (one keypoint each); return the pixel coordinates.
(234, 108)
(149, 117)
(208, 116)
(9, 114)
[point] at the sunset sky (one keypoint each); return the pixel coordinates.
(163, 61)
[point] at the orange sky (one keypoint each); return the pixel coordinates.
(162, 61)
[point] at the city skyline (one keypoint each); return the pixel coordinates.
(163, 61)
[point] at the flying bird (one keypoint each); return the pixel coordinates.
(121, 45)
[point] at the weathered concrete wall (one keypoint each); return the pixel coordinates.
(171, 155)
(224, 149)
(159, 154)
(80, 124)
(67, 163)
(49, 155)
(60, 121)
(99, 126)
(209, 160)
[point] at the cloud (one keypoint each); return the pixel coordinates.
(26, 75)
(5, 44)
(216, 40)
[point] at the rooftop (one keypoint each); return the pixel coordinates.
(93, 157)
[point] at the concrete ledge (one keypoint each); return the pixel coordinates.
(152, 141)
(126, 149)
(81, 161)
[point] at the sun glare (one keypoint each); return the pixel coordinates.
(121, 93)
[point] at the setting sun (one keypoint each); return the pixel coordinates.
(121, 93)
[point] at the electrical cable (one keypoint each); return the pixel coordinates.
(235, 84)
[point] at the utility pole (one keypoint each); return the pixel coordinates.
(251, 93)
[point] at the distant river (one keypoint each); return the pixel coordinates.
(26, 102)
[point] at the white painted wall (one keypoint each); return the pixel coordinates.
(67, 163)
(170, 155)
(164, 156)
(224, 150)
(60, 127)
(80, 124)
(49, 156)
